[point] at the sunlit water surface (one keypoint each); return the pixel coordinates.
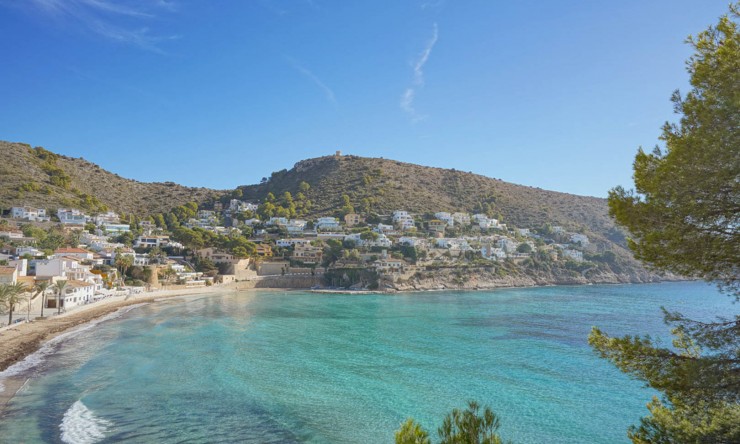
(294, 367)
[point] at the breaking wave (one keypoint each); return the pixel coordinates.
(81, 426)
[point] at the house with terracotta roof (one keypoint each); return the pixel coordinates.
(8, 275)
(11, 233)
(307, 253)
(79, 253)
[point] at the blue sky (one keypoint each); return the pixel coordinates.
(553, 94)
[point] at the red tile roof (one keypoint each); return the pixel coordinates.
(7, 270)
(70, 250)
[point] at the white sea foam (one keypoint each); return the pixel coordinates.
(37, 357)
(81, 426)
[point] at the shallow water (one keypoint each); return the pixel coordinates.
(293, 367)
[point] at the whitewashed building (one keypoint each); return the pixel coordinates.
(77, 253)
(111, 217)
(578, 238)
(573, 254)
(418, 242)
(508, 245)
(446, 218)
(453, 244)
(295, 226)
(491, 252)
(461, 218)
(151, 241)
(72, 216)
(29, 213)
(114, 229)
(290, 242)
(76, 293)
(327, 223)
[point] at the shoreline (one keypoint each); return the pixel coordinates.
(20, 341)
(23, 340)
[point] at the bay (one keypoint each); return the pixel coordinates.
(298, 367)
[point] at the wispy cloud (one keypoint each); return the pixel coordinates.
(123, 22)
(312, 77)
(407, 98)
(435, 5)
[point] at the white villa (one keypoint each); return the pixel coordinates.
(110, 228)
(403, 220)
(29, 213)
(573, 254)
(68, 268)
(296, 226)
(382, 228)
(386, 265)
(380, 241)
(418, 242)
(72, 216)
(290, 242)
(238, 206)
(110, 217)
(77, 253)
(279, 221)
(508, 245)
(453, 244)
(485, 222)
(11, 233)
(151, 241)
(327, 223)
(445, 217)
(75, 293)
(577, 238)
(490, 252)
(26, 250)
(461, 218)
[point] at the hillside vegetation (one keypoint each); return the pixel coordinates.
(381, 186)
(37, 177)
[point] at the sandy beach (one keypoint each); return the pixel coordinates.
(20, 340)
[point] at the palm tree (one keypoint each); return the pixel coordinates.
(12, 297)
(123, 262)
(60, 290)
(5, 290)
(41, 287)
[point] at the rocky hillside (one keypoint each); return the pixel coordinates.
(37, 177)
(381, 186)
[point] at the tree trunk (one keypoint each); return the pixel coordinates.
(43, 302)
(10, 315)
(59, 304)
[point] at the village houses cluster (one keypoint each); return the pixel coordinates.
(87, 269)
(283, 245)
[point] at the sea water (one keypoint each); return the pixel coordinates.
(297, 367)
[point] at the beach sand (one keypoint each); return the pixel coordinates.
(21, 340)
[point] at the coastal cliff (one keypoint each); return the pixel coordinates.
(483, 278)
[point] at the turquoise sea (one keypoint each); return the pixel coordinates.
(296, 367)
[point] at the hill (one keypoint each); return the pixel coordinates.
(35, 176)
(38, 177)
(382, 185)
